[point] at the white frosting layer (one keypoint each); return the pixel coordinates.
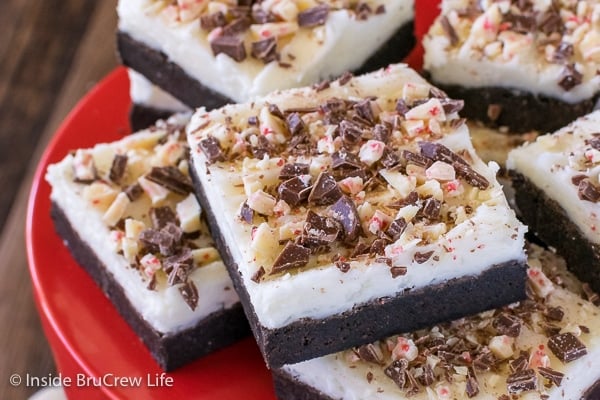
(487, 56)
(338, 378)
(342, 44)
(164, 309)
(552, 160)
(143, 92)
(490, 236)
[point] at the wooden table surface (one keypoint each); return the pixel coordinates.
(52, 52)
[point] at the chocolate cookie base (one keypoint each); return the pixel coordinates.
(141, 116)
(289, 388)
(308, 338)
(170, 351)
(519, 111)
(549, 221)
(158, 69)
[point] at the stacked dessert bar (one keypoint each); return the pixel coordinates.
(127, 213)
(354, 211)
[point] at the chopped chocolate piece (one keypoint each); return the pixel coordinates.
(263, 147)
(189, 292)
(253, 120)
(344, 211)
(452, 106)
(275, 111)
(427, 377)
(345, 78)
(521, 381)
(551, 22)
(318, 231)
(552, 375)
(594, 142)
(342, 266)
(258, 275)
(171, 178)
(134, 191)
(313, 16)
(158, 241)
(471, 176)
(401, 107)
(211, 148)
(472, 388)
(590, 295)
(563, 52)
(570, 77)
(521, 23)
(292, 256)
(449, 30)
(380, 9)
(208, 22)
(246, 213)
(365, 111)
(360, 249)
(265, 50)
(584, 329)
(431, 208)
(295, 123)
(576, 180)
(382, 133)
(378, 246)
(398, 271)
(369, 353)
(260, 16)
(161, 216)
(520, 363)
(385, 260)
(293, 169)
(239, 11)
(231, 46)
(507, 324)
(420, 258)
(396, 371)
(344, 159)
(178, 267)
(325, 191)
(567, 347)
(334, 110)
(485, 360)
(236, 26)
(439, 152)
(321, 85)
(362, 11)
(396, 228)
(117, 169)
(389, 159)
(586, 190)
(411, 199)
(554, 313)
(351, 132)
(295, 190)
(416, 159)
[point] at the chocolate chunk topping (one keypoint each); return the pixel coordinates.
(428, 376)
(398, 271)
(554, 313)
(346, 160)
(295, 123)
(345, 78)
(236, 26)
(420, 258)
(472, 388)
(246, 213)
(189, 292)
(325, 191)
(520, 363)
(416, 159)
(208, 22)
(590, 295)
(439, 152)
(411, 199)
(586, 190)
(292, 256)
(351, 132)
(313, 16)
(292, 170)
(260, 16)
(231, 46)
(401, 107)
(507, 324)
(258, 275)
(318, 231)
(566, 347)
(451, 106)
(396, 371)
(563, 52)
(431, 208)
(570, 77)
(378, 246)
(471, 176)
(552, 375)
(364, 110)
(295, 190)
(551, 22)
(369, 353)
(389, 159)
(342, 266)
(594, 142)
(211, 148)
(382, 133)
(521, 381)
(485, 360)
(164, 240)
(117, 169)
(161, 216)
(134, 191)
(521, 23)
(344, 211)
(171, 178)
(449, 30)
(178, 266)
(321, 85)
(275, 111)
(263, 147)
(265, 50)
(396, 228)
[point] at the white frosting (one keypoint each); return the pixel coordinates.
(164, 309)
(552, 160)
(342, 44)
(491, 235)
(485, 58)
(337, 377)
(143, 92)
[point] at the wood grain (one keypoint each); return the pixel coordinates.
(56, 50)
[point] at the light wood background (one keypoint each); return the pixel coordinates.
(51, 53)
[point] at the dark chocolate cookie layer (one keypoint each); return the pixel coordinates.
(290, 388)
(141, 117)
(519, 111)
(157, 67)
(549, 221)
(171, 351)
(413, 309)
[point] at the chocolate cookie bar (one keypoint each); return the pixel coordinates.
(545, 347)
(352, 212)
(557, 192)
(522, 65)
(127, 214)
(218, 52)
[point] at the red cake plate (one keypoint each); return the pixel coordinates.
(97, 354)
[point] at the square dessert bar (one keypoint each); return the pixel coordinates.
(352, 212)
(127, 214)
(557, 192)
(524, 65)
(210, 53)
(546, 347)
